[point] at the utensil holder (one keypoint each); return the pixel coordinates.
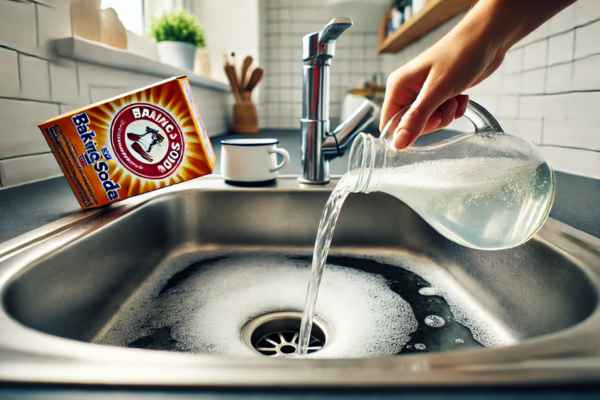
(245, 118)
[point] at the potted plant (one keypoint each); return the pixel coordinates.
(178, 35)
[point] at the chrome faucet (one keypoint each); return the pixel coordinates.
(319, 144)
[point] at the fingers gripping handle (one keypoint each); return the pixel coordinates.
(479, 116)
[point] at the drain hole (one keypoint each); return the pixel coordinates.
(288, 349)
(276, 334)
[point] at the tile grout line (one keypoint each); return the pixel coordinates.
(19, 73)
(37, 26)
(78, 79)
(546, 51)
(573, 60)
(573, 28)
(50, 94)
(30, 100)
(26, 53)
(572, 75)
(560, 146)
(40, 153)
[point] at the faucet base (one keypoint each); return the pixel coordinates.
(305, 181)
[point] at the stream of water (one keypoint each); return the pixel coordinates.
(327, 223)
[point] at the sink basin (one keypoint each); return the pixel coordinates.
(182, 286)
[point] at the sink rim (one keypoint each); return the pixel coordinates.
(72, 361)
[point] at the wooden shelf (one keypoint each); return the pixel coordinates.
(429, 17)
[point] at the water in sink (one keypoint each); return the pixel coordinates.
(369, 307)
(486, 203)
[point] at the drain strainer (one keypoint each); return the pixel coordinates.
(276, 334)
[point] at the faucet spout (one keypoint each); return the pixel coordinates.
(334, 28)
(339, 140)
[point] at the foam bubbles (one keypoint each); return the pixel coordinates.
(485, 329)
(148, 310)
(207, 310)
(420, 346)
(434, 321)
(429, 291)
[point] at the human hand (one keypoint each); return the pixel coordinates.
(427, 90)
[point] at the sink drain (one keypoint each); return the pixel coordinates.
(276, 334)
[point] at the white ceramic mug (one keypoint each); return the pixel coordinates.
(251, 160)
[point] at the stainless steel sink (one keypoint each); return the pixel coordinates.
(65, 286)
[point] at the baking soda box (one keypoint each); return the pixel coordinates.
(131, 144)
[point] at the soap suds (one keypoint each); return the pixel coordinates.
(206, 311)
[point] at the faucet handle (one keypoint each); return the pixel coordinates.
(334, 28)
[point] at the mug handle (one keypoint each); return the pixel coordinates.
(286, 157)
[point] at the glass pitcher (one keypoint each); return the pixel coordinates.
(485, 190)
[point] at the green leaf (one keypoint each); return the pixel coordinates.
(178, 26)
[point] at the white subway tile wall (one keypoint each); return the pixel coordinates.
(283, 23)
(18, 27)
(63, 81)
(19, 135)
(560, 48)
(548, 88)
(15, 171)
(535, 55)
(34, 75)
(9, 71)
(35, 85)
(557, 102)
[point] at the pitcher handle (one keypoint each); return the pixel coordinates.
(483, 121)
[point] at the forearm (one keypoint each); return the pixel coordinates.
(505, 22)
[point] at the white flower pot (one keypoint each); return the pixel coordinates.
(177, 54)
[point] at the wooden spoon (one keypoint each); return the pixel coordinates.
(255, 78)
(233, 81)
(245, 67)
